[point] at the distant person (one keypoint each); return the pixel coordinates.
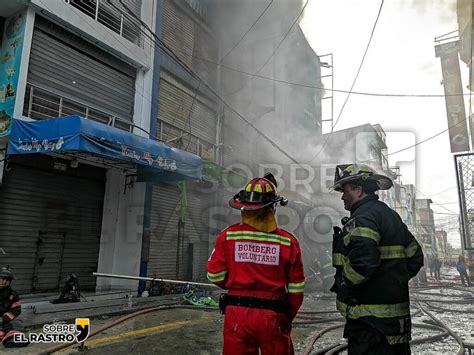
(375, 256)
(420, 279)
(437, 268)
(261, 267)
(462, 269)
(431, 265)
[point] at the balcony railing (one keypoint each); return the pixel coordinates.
(113, 16)
(185, 140)
(41, 103)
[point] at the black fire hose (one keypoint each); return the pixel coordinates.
(453, 334)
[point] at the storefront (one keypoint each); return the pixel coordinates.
(62, 209)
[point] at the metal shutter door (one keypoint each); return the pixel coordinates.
(196, 227)
(181, 108)
(71, 70)
(38, 203)
(164, 235)
(164, 231)
(178, 32)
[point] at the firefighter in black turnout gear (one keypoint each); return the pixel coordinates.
(10, 309)
(375, 256)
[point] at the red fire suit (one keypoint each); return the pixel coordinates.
(252, 263)
(10, 309)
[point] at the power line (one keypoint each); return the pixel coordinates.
(308, 86)
(362, 93)
(353, 83)
(247, 32)
(168, 51)
(427, 139)
(261, 133)
(360, 66)
(276, 49)
(221, 60)
(440, 192)
(284, 37)
(445, 208)
(447, 203)
(79, 15)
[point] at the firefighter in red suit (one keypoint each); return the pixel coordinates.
(10, 309)
(260, 265)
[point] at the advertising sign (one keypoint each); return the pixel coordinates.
(458, 136)
(10, 58)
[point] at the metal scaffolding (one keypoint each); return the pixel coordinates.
(465, 178)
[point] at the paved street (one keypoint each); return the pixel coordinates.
(176, 331)
(195, 331)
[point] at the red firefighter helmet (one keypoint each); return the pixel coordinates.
(257, 194)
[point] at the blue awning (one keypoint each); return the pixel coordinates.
(77, 134)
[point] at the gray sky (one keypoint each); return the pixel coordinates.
(400, 60)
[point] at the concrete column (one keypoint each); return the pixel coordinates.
(25, 61)
(122, 231)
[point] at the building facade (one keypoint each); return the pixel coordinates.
(80, 211)
(148, 72)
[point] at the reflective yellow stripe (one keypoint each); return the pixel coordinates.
(248, 188)
(296, 287)
(365, 233)
(397, 339)
(374, 310)
(337, 259)
(258, 236)
(219, 276)
(258, 188)
(350, 273)
(411, 249)
(386, 253)
(392, 252)
(398, 251)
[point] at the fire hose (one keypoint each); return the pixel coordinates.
(123, 319)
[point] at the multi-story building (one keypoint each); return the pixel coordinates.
(363, 144)
(74, 211)
(138, 74)
(425, 225)
(260, 76)
(441, 238)
(106, 204)
(405, 204)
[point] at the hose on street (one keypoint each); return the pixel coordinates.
(123, 319)
(425, 310)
